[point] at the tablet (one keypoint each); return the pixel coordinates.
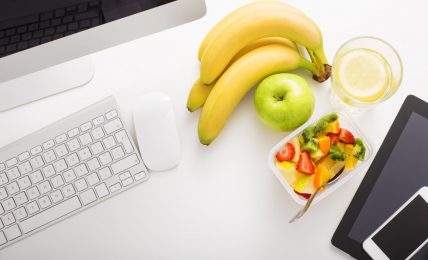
(404, 233)
(399, 169)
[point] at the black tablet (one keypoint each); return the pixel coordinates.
(399, 169)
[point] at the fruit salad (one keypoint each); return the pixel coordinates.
(313, 157)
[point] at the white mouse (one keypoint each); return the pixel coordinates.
(156, 131)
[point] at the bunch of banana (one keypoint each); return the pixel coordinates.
(250, 44)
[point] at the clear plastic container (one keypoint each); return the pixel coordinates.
(346, 123)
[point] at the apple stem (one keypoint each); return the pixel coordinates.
(278, 98)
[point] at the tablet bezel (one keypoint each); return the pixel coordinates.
(340, 238)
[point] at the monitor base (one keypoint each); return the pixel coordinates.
(46, 82)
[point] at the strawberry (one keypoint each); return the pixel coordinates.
(304, 195)
(333, 138)
(346, 137)
(286, 153)
(305, 164)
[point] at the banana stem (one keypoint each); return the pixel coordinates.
(321, 63)
(309, 66)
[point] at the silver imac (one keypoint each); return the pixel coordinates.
(44, 44)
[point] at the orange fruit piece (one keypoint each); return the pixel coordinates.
(324, 144)
(322, 176)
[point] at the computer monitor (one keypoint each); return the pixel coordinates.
(35, 35)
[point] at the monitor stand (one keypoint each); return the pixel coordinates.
(46, 82)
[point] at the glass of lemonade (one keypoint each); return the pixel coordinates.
(366, 71)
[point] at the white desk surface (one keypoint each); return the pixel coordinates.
(222, 202)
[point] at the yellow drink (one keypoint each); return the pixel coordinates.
(366, 71)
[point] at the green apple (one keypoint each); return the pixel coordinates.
(284, 101)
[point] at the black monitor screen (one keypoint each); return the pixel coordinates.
(28, 23)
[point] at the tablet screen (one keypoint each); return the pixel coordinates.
(405, 232)
(405, 171)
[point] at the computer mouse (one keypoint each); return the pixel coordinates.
(156, 131)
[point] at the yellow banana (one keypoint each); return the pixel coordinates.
(239, 78)
(198, 95)
(199, 92)
(257, 6)
(277, 23)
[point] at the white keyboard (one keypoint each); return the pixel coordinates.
(65, 168)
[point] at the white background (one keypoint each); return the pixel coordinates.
(222, 202)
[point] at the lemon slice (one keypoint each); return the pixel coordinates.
(364, 74)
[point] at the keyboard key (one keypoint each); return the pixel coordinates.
(85, 139)
(49, 144)
(85, 24)
(51, 214)
(37, 162)
(26, 37)
(20, 213)
(3, 178)
(61, 29)
(57, 181)
(109, 142)
(82, 8)
(25, 168)
(123, 139)
(61, 138)
(33, 27)
(11, 162)
(73, 26)
(88, 196)
(117, 152)
(22, 45)
(97, 148)
(124, 176)
(36, 176)
(59, 12)
(3, 193)
(22, 29)
(99, 120)
(127, 182)
(32, 207)
(36, 150)
(81, 184)
(72, 159)
(49, 31)
(10, 32)
(73, 132)
(56, 196)
(49, 156)
(105, 173)
(81, 170)
(46, 16)
(33, 193)
(60, 165)
(49, 171)
(4, 41)
(69, 175)
(98, 133)
(61, 150)
(112, 114)
(23, 156)
(115, 187)
(8, 219)
(20, 198)
(124, 164)
(86, 126)
(55, 22)
(44, 187)
(73, 145)
(68, 190)
(12, 232)
(113, 126)
(93, 164)
(13, 173)
(85, 154)
(15, 39)
(3, 239)
(105, 158)
(92, 179)
(44, 202)
(12, 188)
(8, 204)
(2, 167)
(11, 48)
(1, 212)
(24, 182)
(139, 176)
(44, 24)
(101, 190)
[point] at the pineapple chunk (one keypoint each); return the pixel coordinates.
(350, 163)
